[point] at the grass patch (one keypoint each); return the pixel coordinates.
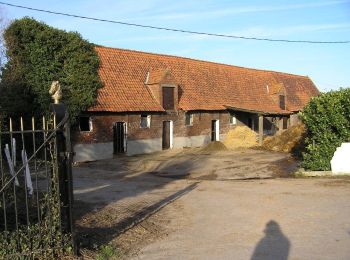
(107, 252)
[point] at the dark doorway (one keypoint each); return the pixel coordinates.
(213, 130)
(119, 137)
(285, 122)
(166, 135)
(250, 123)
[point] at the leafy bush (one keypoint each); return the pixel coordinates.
(327, 118)
(40, 239)
(38, 54)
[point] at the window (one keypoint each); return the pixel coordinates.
(85, 124)
(188, 119)
(168, 98)
(233, 119)
(145, 121)
(282, 101)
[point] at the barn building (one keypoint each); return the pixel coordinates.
(151, 102)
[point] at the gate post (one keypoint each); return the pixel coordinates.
(64, 165)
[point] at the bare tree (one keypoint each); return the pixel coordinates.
(3, 25)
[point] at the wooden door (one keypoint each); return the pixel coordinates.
(213, 130)
(119, 137)
(166, 135)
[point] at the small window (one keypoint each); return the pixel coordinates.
(145, 121)
(188, 119)
(282, 102)
(85, 124)
(233, 120)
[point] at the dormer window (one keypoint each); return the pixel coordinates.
(168, 98)
(282, 100)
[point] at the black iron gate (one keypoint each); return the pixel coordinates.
(36, 187)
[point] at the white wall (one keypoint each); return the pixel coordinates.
(340, 162)
(100, 151)
(144, 146)
(93, 152)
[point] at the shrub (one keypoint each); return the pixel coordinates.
(327, 118)
(38, 54)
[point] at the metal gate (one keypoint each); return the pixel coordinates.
(36, 187)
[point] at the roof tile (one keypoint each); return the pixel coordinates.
(204, 85)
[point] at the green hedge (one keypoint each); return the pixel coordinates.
(327, 118)
(39, 54)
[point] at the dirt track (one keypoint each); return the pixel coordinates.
(227, 220)
(211, 212)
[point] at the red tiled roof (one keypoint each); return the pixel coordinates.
(205, 85)
(155, 76)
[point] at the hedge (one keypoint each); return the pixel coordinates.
(39, 54)
(327, 118)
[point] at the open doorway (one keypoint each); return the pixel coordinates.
(119, 138)
(251, 124)
(215, 130)
(167, 136)
(285, 122)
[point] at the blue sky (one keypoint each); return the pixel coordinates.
(318, 20)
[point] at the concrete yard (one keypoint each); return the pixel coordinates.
(186, 204)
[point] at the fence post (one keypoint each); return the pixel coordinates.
(64, 164)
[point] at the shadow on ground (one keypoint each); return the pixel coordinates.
(96, 236)
(111, 196)
(274, 245)
(114, 195)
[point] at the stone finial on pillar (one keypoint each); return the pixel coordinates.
(56, 91)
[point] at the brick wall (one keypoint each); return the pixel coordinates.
(102, 125)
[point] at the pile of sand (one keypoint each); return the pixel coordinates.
(289, 140)
(240, 136)
(214, 147)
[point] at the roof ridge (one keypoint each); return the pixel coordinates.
(204, 61)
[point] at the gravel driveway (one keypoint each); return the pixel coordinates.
(186, 204)
(268, 219)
